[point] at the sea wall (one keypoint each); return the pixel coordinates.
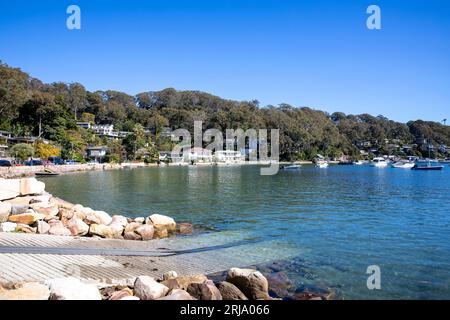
(27, 171)
(26, 207)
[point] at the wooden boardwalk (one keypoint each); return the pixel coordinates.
(26, 257)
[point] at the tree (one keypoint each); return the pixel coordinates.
(22, 151)
(88, 117)
(44, 151)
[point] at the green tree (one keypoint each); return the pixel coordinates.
(22, 151)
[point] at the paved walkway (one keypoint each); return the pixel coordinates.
(26, 257)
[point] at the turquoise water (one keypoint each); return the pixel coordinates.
(339, 220)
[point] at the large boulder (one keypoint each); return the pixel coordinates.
(9, 188)
(119, 295)
(131, 227)
(24, 228)
(178, 294)
(170, 275)
(131, 236)
(29, 217)
(184, 281)
(100, 230)
(72, 289)
(21, 200)
(97, 217)
(230, 292)
(58, 229)
(49, 210)
(26, 291)
(42, 227)
(119, 220)
(31, 186)
(8, 227)
(147, 288)
(5, 211)
(145, 231)
(204, 291)
(251, 282)
(116, 229)
(163, 222)
(77, 227)
(61, 203)
(19, 208)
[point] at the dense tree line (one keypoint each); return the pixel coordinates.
(31, 107)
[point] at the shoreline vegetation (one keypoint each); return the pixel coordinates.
(65, 120)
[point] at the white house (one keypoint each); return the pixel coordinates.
(197, 154)
(96, 153)
(228, 156)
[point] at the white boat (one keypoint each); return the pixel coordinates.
(360, 162)
(403, 165)
(322, 164)
(292, 167)
(379, 162)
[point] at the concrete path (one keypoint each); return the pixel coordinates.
(26, 257)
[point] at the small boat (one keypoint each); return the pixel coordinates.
(427, 165)
(345, 163)
(403, 165)
(360, 162)
(379, 162)
(292, 167)
(46, 173)
(322, 164)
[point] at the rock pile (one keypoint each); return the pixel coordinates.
(26, 207)
(240, 284)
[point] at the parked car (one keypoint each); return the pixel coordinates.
(5, 163)
(56, 161)
(34, 163)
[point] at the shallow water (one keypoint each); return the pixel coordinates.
(338, 220)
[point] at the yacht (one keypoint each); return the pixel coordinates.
(360, 162)
(379, 162)
(427, 165)
(403, 165)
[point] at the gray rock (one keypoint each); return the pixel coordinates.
(204, 291)
(5, 211)
(251, 282)
(230, 292)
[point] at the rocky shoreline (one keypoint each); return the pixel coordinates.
(26, 207)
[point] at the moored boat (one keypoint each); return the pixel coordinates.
(428, 165)
(322, 164)
(292, 167)
(379, 162)
(403, 165)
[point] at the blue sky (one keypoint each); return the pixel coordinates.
(315, 53)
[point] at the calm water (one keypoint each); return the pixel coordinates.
(341, 219)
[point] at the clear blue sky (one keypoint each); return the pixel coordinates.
(315, 53)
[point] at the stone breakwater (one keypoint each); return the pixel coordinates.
(28, 171)
(240, 284)
(26, 207)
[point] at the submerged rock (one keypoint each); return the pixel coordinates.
(146, 288)
(185, 228)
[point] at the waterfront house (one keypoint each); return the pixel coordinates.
(197, 155)
(28, 140)
(3, 150)
(85, 125)
(228, 156)
(96, 153)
